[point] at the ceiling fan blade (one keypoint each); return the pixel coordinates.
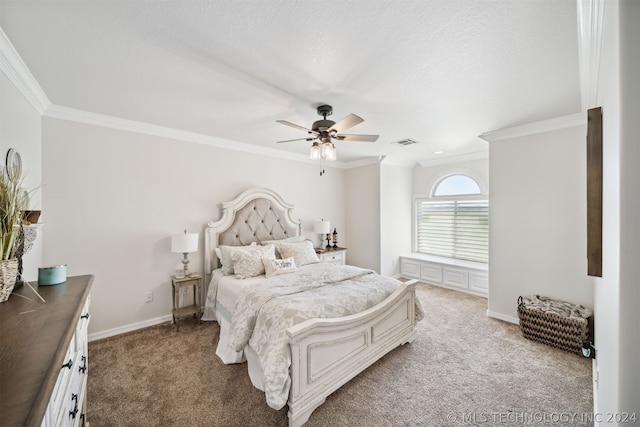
(364, 138)
(293, 125)
(297, 139)
(348, 122)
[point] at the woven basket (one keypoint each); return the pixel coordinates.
(566, 333)
(8, 275)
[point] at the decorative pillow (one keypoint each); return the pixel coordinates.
(273, 267)
(277, 243)
(303, 253)
(247, 261)
(225, 257)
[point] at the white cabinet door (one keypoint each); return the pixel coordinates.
(479, 281)
(431, 273)
(456, 277)
(410, 268)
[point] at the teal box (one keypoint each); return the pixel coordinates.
(52, 275)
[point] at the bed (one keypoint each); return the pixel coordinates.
(300, 340)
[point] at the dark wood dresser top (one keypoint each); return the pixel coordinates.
(34, 337)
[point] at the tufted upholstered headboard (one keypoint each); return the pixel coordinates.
(257, 214)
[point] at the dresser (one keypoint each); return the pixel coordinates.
(43, 361)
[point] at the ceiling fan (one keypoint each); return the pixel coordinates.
(323, 131)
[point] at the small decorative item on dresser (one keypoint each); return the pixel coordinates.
(8, 274)
(335, 238)
(12, 203)
(52, 275)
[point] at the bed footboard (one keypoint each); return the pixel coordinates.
(327, 353)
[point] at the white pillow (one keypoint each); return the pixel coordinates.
(273, 267)
(303, 253)
(277, 243)
(225, 257)
(247, 261)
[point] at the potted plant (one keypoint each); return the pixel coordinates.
(13, 200)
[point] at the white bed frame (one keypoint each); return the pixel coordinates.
(325, 353)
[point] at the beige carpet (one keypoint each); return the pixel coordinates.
(463, 369)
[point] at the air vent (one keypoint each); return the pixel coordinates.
(407, 141)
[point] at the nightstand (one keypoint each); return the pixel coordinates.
(333, 255)
(196, 307)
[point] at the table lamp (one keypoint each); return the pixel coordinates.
(323, 227)
(184, 243)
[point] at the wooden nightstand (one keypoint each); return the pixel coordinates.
(336, 256)
(196, 307)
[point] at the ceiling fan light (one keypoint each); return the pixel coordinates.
(328, 151)
(315, 153)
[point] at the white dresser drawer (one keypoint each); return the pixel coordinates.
(67, 404)
(337, 257)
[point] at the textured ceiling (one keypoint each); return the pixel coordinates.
(438, 72)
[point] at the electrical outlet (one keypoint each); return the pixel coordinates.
(148, 297)
(185, 291)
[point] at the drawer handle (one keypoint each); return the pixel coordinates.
(73, 413)
(69, 364)
(83, 368)
(85, 316)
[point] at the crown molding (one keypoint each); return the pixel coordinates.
(80, 116)
(18, 73)
(455, 159)
(557, 123)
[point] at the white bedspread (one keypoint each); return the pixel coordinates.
(265, 309)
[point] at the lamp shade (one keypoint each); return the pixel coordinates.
(322, 227)
(315, 151)
(328, 151)
(184, 242)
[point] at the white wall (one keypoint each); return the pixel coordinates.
(20, 129)
(538, 220)
(395, 216)
(362, 204)
(617, 294)
(630, 207)
(113, 198)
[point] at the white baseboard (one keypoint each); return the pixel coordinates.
(504, 317)
(129, 328)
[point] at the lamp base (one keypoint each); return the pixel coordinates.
(185, 263)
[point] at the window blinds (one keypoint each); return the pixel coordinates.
(453, 228)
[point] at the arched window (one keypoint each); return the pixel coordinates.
(454, 221)
(456, 185)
